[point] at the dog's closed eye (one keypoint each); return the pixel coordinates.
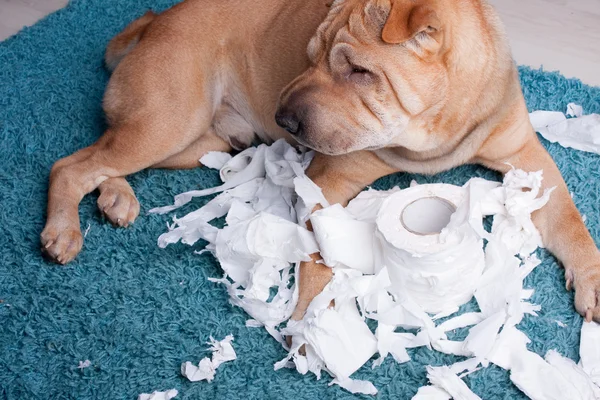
(360, 75)
(359, 70)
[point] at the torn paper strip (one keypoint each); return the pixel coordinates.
(215, 159)
(431, 393)
(580, 133)
(390, 342)
(168, 395)
(279, 163)
(539, 380)
(533, 375)
(574, 374)
(465, 367)
(355, 386)
(445, 379)
(344, 241)
(309, 196)
(222, 352)
(87, 230)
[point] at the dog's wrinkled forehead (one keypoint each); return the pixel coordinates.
(349, 21)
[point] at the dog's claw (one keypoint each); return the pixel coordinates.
(61, 244)
(569, 280)
(586, 282)
(589, 314)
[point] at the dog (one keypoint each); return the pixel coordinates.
(374, 86)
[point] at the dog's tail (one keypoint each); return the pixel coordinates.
(125, 41)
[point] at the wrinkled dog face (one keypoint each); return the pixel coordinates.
(374, 66)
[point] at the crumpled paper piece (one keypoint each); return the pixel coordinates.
(215, 159)
(266, 188)
(222, 352)
(582, 132)
(168, 395)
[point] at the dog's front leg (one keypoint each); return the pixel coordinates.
(341, 178)
(560, 224)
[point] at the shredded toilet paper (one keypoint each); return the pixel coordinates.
(554, 377)
(431, 393)
(215, 159)
(581, 132)
(589, 350)
(444, 378)
(206, 369)
(168, 395)
(394, 268)
(261, 244)
(574, 374)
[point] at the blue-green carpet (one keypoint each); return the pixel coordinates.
(137, 311)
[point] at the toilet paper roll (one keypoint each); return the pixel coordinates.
(435, 262)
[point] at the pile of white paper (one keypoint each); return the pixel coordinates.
(266, 199)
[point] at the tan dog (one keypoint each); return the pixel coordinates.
(401, 85)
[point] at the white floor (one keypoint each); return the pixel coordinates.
(15, 14)
(561, 35)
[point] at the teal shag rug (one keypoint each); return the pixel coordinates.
(136, 311)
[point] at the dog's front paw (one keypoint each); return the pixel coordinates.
(586, 282)
(61, 245)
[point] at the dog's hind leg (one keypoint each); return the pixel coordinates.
(160, 114)
(117, 202)
(124, 149)
(126, 40)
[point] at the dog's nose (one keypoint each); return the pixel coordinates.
(289, 121)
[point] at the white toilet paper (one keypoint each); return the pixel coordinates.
(389, 260)
(434, 256)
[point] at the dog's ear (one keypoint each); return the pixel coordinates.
(409, 18)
